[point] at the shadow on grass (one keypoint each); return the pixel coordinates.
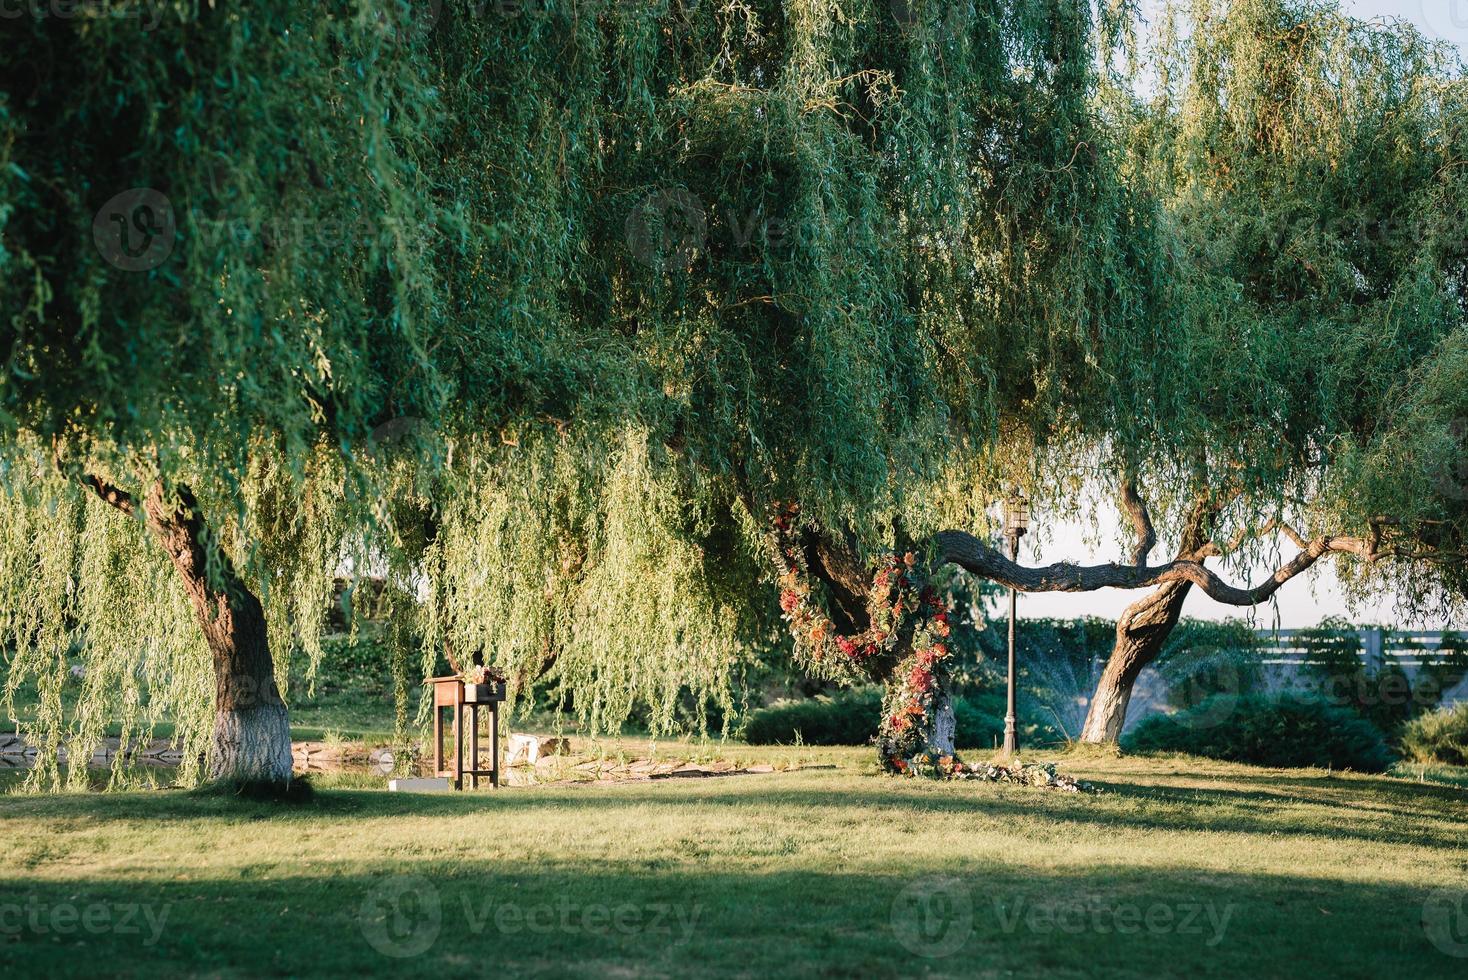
(469, 916)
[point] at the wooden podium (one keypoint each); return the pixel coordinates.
(465, 702)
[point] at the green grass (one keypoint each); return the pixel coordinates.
(1210, 869)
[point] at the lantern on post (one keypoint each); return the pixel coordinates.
(1016, 523)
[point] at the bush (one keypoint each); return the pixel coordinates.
(1439, 736)
(845, 718)
(1284, 731)
(851, 718)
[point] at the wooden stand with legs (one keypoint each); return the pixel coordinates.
(450, 693)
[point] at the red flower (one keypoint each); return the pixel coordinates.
(919, 679)
(789, 600)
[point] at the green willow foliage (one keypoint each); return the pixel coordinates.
(522, 304)
(850, 253)
(1310, 168)
(315, 281)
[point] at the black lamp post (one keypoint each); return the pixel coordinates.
(1016, 523)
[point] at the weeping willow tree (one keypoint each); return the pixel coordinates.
(1310, 168)
(867, 269)
(592, 322)
(239, 245)
(855, 265)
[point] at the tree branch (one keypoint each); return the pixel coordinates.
(114, 496)
(973, 555)
(1136, 508)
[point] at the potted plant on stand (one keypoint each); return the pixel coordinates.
(483, 684)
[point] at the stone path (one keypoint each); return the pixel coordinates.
(553, 763)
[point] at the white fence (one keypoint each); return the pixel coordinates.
(1408, 649)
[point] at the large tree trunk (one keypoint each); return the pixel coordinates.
(252, 739)
(910, 740)
(1140, 634)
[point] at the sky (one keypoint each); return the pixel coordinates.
(1309, 598)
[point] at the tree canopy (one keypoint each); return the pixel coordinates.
(545, 308)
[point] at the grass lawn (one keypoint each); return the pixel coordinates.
(1181, 868)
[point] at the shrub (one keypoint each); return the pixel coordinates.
(851, 718)
(1283, 731)
(1439, 736)
(363, 656)
(845, 718)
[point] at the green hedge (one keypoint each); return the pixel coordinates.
(1439, 736)
(851, 718)
(1285, 731)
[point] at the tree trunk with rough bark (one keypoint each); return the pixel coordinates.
(251, 740)
(1140, 635)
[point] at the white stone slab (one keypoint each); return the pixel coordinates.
(438, 784)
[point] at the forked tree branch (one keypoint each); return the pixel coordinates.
(973, 555)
